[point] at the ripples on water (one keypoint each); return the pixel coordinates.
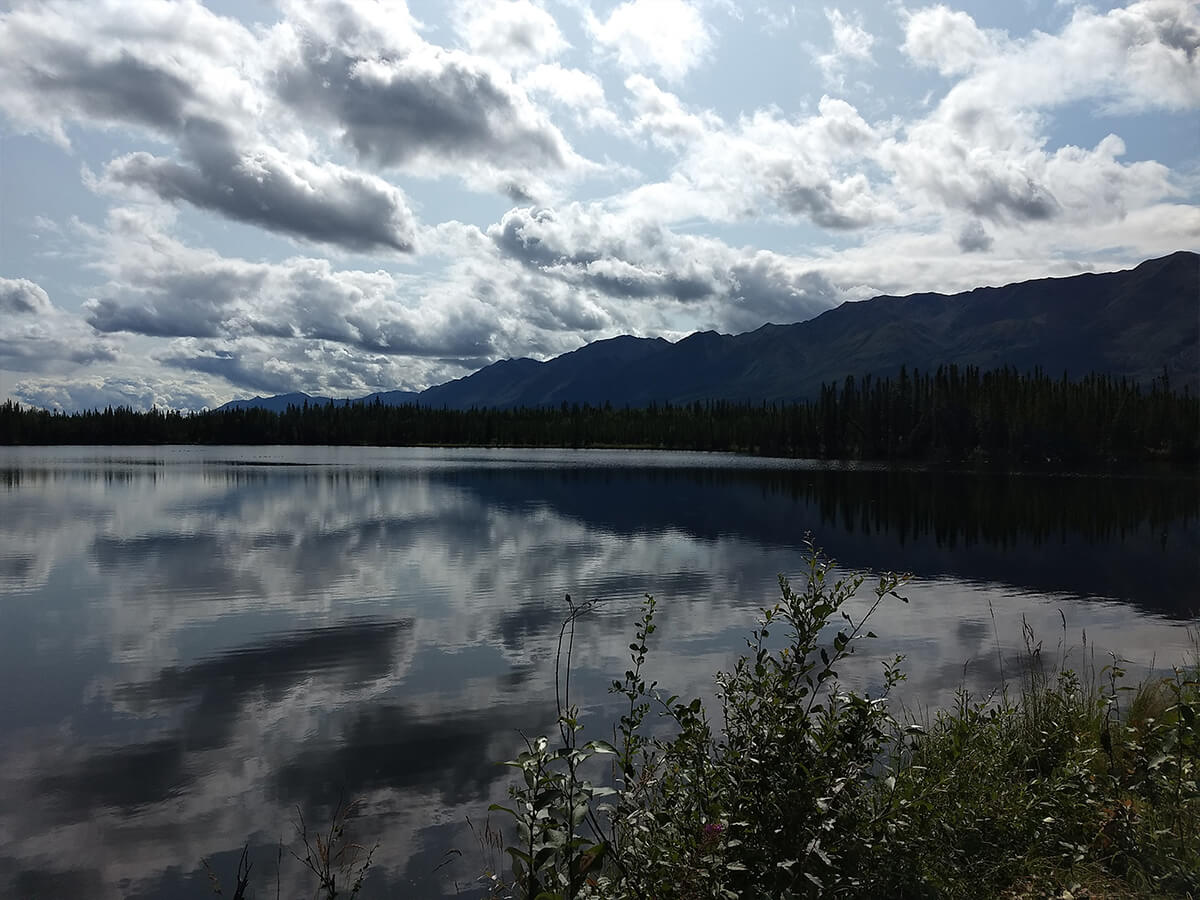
(196, 641)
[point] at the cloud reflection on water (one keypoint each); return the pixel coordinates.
(195, 648)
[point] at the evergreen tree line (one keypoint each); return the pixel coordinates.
(952, 414)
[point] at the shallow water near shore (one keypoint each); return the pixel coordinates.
(198, 641)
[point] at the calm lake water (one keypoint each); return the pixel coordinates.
(194, 642)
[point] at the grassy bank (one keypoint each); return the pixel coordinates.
(1061, 785)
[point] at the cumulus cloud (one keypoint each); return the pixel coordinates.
(590, 248)
(262, 372)
(973, 238)
(159, 287)
(243, 107)
(1139, 57)
(661, 115)
(980, 153)
(948, 40)
(304, 322)
(851, 44)
(540, 282)
(260, 366)
(580, 92)
(413, 105)
(150, 65)
(323, 203)
(22, 297)
(983, 151)
(98, 392)
(766, 165)
(990, 184)
(300, 128)
(440, 103)
(38, 336)
(669, 36)
(514, 32)
(188, 86)
(771, 287)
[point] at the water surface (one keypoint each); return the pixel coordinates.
(196, 642)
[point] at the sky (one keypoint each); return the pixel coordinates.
(200, 202)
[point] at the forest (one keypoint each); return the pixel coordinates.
(950, 414)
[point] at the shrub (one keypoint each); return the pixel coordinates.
(799, 787)
(775, 801)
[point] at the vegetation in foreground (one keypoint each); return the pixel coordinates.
(1063, 787)
(797, 787)
(950, 414)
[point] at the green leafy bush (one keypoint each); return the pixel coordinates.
(798, 787)
(773, 800)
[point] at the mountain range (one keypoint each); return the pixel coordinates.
(1133, 323)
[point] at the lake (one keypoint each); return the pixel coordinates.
(197, 642)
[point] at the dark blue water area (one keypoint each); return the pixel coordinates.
(200, 645)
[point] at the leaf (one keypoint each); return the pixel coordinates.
(589, 857)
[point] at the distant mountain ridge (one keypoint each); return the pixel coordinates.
(279, 402)
(1132, 323)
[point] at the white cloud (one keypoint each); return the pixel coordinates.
(579, 91)
(247, 111)
(418, 108)
(767, 166)
(318, 203)
(38, 336)
(948, 40)
(776, 18)
(653, 274)
(149, 66)
(1143, 56)
(851, 44)
(669, 36)
(160, 287)
(662, 116)
(97, 392)
(22, 297)
(983, 151)
(188, 76)
(301, 323)
(516, 33)
(333, 126)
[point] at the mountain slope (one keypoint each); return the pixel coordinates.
(278, 403)
(1131, 323)
(583, 375)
